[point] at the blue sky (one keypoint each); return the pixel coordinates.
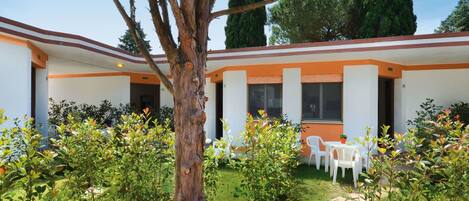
(99, 19)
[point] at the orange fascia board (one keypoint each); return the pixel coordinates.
(437, 66)
(309, 70)
(38, 57)
(81, 75)
(137, 78)
(264, 80)
(321, 78)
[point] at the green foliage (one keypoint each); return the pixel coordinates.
(142, 160)
(270, 160)
(86, 152)
(297, 21)
(104, 114)
(166, 114)
(458, 20)
(26, 166)
(245, 29)
(460, 111)
(401, 171)
(211, 174)
(380, 18)
(126, 42)
(343, 136)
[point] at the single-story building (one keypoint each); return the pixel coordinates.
(330, 87)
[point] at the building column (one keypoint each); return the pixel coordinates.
(166, 98)
(235, 92)
(210, 109)
(360, 100)
(291, 89)
(42, 101)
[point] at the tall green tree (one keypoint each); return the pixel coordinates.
(297, 21)
(380, 18)
(245, 29)
(126, 41)
(458, 20)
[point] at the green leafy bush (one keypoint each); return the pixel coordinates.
(271, 157)
(24, 166)
(403, 170)
(104, 114)
(143, 160)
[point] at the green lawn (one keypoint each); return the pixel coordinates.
(315, 184)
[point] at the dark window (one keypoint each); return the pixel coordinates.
(267, 97)
(322, 101)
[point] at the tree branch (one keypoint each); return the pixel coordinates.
(162, 28)
(240, 9)
(139, 42)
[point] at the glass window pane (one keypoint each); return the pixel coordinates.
(256, 99)
(310, 101)
(332, 101)
(274, 100)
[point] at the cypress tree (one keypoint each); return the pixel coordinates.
(245, 29)
(458, 20)
(126, 41)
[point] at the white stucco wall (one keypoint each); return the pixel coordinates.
(210, 109)
(42, 100)
(291, 102)
(15, 81)
(166, 98)
(235, 102)
(91, 90)
(444, 86)
(360, 100)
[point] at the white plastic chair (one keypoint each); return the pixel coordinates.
(347, 157)
(313, 143)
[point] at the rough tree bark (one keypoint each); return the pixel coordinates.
(187, 61)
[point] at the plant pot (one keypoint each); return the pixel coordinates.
(343, 140)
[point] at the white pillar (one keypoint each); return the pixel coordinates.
(166, 98)
(42, 100)
(235, 102)
(399, 122)
(291, 89)
(210, 110)
(15, 81)
(360, 102)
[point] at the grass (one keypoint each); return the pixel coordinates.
(315, 184)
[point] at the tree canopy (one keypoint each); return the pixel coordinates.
(380, 18)
(245, 29)
(126, 41)
(297, 21)
(458, 20)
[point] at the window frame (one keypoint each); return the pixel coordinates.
(265, 101)
(321, 110)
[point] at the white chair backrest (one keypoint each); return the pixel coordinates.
(345, 152)
(313, 142)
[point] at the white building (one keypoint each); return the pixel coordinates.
(330, 87)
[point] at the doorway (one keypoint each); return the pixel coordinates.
(219, 110)
(385, 105)
(145, 96)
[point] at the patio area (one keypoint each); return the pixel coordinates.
(314, 184)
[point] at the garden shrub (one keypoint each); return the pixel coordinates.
(143, 160)
(86, 152)
(437, 172)
(24, 167)
(105, 114)
(271, 157)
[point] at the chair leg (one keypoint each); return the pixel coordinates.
(354, 173)
(335, 173)
(310, 156)
(343, 172)
(318, 161)
(331, 161)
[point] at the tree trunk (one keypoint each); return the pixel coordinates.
(189, 106)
